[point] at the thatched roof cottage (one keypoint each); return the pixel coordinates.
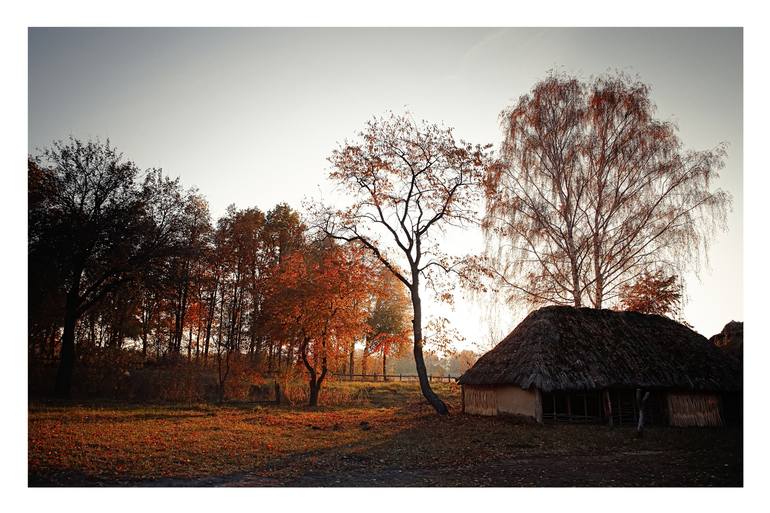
(586, 365)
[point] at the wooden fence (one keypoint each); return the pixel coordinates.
(392, 377)
(136, 364)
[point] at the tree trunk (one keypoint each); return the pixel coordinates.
(608, 407)
(419, 360)
(210, 320)
(315, 380)
(640, 400)
(598, 276)
(63, 386)
(352, 361)
(198, 341)
(576, 293)
(314, 389)
(67, 361)
(223, 377)
(578, 300)
(384, 371)
(189, 343)
(180, 313)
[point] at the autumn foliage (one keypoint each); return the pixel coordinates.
(652, 293)
(319, 300)
(388, 329)
(407, 181)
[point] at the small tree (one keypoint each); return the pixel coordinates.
(652, 293)
(462, 361)
(318, 299)
(408, 181)
(387, 325)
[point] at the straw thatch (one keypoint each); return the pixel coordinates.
(694, 410)
(566, 348)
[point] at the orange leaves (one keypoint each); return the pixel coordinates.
(319, 299)
(653, 293)
(403, 176)
(389, 329)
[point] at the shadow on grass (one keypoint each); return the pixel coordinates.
(467, 451)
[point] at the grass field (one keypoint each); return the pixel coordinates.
(384, 436)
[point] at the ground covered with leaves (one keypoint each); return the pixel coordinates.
(387, 436)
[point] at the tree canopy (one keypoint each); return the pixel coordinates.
(652, 293)
(594, 191)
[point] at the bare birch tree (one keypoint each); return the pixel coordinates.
(595, 190)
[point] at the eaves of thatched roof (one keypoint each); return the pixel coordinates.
(566, 348)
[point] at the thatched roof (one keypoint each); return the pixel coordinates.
(566, 348)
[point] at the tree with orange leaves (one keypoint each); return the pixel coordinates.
(318, 299)
(388, 322)
(407, 182)
(652, 293)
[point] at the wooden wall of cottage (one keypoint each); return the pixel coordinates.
(594, 406)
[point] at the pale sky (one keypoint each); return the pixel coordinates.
(249, 116)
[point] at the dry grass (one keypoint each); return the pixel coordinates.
(387, 437)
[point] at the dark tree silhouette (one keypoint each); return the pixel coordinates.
(104, 225)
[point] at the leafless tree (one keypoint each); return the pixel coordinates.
(594, 191)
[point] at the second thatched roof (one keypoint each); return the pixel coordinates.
(566, 348)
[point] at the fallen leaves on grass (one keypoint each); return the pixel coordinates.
(373, 445)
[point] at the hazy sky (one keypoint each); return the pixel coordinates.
(249, 116)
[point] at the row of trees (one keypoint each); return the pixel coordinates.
(591, 198)
(121, 259)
